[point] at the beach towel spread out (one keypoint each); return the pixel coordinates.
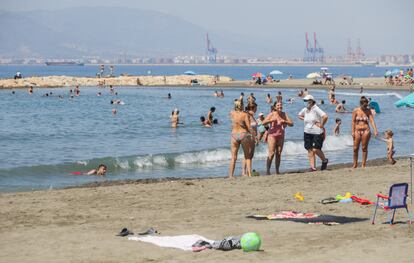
(308, 218)
(184, 242)
(284, 215)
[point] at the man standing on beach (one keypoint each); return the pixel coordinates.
(314, 131)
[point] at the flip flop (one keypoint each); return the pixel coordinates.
(150, 231)
(124, 232)
(329, 200)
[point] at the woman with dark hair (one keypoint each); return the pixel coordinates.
(210, 115)
(276, 134)
(314, 131)
(241, 134)
(361, 132)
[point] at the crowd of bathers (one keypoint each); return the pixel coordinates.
(248, 131)
(399, 77)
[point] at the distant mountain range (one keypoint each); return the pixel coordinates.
(110, 32)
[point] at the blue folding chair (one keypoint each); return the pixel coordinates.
(395, 200)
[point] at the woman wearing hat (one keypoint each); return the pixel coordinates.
(314, 132)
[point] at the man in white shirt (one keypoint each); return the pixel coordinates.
(314, 132)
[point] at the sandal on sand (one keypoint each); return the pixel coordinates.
(150, 231)
(329, 200)
(125, 232)
(312, 169)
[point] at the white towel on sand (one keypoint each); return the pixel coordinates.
(183, 242)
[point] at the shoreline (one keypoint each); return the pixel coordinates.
(371, 163)
(109, 183)
(80, 224)
(185, 81)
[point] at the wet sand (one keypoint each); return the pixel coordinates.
(79, 224)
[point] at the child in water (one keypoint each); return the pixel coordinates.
(338, 122)
(390, 146)
(101, 170)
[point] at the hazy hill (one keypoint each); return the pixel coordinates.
(107, 32)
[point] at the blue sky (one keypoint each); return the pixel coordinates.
(383, 27)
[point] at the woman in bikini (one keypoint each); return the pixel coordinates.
(276, 135)
(361, 132)
(251, 109)
(241, 134)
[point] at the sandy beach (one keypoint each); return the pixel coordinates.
(79, 224)
(185, 80)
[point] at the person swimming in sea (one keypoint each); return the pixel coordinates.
(119, 102)
(101, 170)
(175, 120)
(210, 115)
(204, 122)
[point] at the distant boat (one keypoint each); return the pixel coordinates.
(64, 63)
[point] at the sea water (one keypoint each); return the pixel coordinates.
(44, 139)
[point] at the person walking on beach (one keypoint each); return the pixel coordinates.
(241, 134)
(314, 131)
(388, 134)
(361, 132)
(251, 109)
(276, 135)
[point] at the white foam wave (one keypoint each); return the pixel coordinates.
(366, 94)
(210, 157)
(84, 163)
(203, 156)
(160, 160)
(144, 161)
(122, 164)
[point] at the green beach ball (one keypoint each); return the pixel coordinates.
(250, 242)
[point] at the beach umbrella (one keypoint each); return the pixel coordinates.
(388, 73)
(276, 72)
(189, 72)
(407, 101)
(395, 72)
(313, 75)
(258, 75)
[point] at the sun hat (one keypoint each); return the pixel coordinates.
(308, 97)
(261, 114)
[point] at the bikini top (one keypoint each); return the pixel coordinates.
(364, 118)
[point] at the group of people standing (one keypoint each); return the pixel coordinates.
(247, 131)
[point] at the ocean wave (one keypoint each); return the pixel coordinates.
(366, 94)
(173, 160)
